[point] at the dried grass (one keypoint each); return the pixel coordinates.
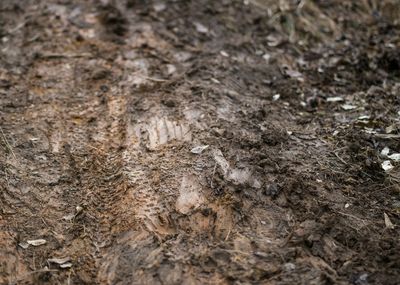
(302, 20)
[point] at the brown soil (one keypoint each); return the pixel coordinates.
(102, 103)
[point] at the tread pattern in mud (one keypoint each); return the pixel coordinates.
(102, 103)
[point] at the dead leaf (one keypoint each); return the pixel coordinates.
(69, 217)
(199, 149)
(224, 53)
(395, 156)
(24, 245)
(387, 166)
(348, 107)
(334, 99)
(385, 151)
(200, 28)
(78, 209)
(59, 260)
(276, 97)
(390, 129)
(36, 242)
(66, 265)
(388, 222)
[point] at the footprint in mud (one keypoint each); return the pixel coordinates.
(233, 174)
(162, 131)
(56, 141)
(11, 264)
(190, 196)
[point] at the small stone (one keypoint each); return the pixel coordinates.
(271, 190)
(289, 266)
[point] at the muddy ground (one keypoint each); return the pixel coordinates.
(199, 142)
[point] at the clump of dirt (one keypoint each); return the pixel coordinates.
(390, 62)
(113, 21)
(199, 142)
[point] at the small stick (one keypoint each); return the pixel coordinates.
(212, 177)
(341, 159)
(66, 55)
(6, 142)
(229, 232)
(153, 79)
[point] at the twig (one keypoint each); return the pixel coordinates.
(387, 136)
(212, 176)
(137, 73)
(341, 159)
(354, 217)
(229, 232)
(18, 27)
(65, 55)
(153, 79)
(6, 142)
(287, 239)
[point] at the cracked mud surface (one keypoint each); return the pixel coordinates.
(102, 103)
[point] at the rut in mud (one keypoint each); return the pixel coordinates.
(199, 142)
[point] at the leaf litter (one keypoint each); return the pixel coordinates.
(118, 99)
